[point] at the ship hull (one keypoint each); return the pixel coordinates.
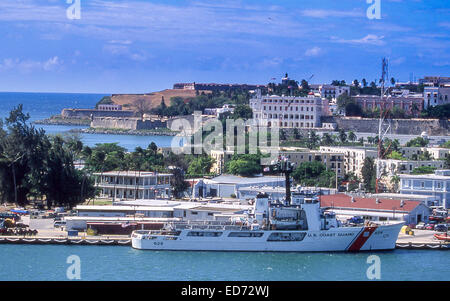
(351, 239)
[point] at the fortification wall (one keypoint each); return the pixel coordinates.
(399, 126)
(87, 113)
(126, 123)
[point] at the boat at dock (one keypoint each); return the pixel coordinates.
(301, 226)
(442, 237)
(294, 224)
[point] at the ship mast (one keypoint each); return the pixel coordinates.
(285, 167)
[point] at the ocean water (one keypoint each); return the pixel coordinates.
(44, 105)
(123, 263)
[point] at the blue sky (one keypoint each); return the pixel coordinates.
(136, 46)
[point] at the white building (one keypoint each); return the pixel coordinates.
(133, 185)
(353, 156)
(434, 96)
(436, 185)
(287, 111)
(227, 186)
(329, 91)
(392, 167)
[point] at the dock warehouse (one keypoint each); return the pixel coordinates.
(375, 209)
(227, 186)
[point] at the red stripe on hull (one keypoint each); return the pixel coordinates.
(362, 238)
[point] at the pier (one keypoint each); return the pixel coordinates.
(103, 241)
(413, 244)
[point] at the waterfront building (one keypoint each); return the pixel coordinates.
(227, 186)
(427, 200)
(133, 185)
(278, 193)
(150, 213)
(376, 209)
(353, 156)
(287, 111)
(436, 185)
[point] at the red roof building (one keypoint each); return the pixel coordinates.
(376, 209)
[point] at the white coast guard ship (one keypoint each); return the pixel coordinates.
(297, 226)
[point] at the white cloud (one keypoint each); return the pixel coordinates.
(315, 51)
(28, 66)
(369, 39)
(324, 13)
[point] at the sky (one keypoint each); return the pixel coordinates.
(138, 46)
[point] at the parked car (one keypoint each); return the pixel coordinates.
(59, 224)
(440, 228)
(437, 218)
(429, 227)
(420, 226)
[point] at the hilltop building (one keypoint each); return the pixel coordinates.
(287, 111)
(329, 91)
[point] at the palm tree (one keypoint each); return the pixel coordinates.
(351, 136)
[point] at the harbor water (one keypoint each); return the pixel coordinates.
(123, 263)
(44, 105)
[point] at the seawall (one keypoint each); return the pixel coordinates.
(434, 127)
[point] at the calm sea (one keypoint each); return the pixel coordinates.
(40, 262)
(44, 105)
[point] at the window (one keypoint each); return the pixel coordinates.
(280, 236)
(245, 234)
(204, 233)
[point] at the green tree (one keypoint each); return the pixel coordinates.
(314, 173)
(200, 165)
(244, 165)
(422, 170)
(342, 136)
(64, 185)
(418, 142)
(242, 112)
(368, 172)
(22, 152)
(178, 182)
(351, 136)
